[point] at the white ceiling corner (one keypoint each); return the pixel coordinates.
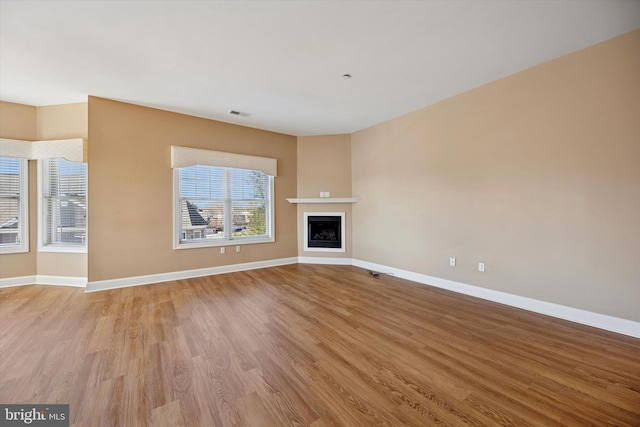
(283, 61)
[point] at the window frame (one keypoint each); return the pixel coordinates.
(227, 240)
(23, 209)
(43, 231)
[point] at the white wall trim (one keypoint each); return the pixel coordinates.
(79, 282)
(597, 320)
(102, 285)
(17, 281)
(326, 200)
(324, 260)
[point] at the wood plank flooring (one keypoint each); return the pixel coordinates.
(305, 345)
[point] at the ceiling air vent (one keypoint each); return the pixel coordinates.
(239, 113)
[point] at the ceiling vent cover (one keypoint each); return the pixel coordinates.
(239, 113)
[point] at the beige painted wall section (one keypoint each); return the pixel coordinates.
(324, 164)
(62, 122)
(536, 174)
(131, 186)
(18, 121)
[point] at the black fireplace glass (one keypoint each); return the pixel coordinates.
(324, 232)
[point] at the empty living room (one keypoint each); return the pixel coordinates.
(320, 213)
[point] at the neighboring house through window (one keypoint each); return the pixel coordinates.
(14, 215)
(63, 205)
(217, 203)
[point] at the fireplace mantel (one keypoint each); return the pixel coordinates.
(326, 200)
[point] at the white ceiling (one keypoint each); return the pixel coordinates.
(283, 61)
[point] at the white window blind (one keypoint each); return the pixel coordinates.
(216, 204)
(64, 203)
(13, 205)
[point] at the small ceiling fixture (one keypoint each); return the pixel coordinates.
(346, 76)
(239, 113)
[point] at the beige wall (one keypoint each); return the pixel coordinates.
(18, 121)
(536, 174)
(62, 122)
(42, 123)
(131, 183)
(324, 164)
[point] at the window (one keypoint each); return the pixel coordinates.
(217, 204)
(64, 205)
(14, 216)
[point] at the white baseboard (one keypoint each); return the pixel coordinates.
(40, 279)
(79, 282)
(102, 285)
(324, 260)
(17, 281)
(597, 320)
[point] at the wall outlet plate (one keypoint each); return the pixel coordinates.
(481, 266)
(452, 262)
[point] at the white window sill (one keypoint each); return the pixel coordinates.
(326, 200)
(223, 242)
(63, 249)
(6, 250)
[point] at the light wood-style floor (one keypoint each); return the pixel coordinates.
(307, 345)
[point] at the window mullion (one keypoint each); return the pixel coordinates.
(228, 215)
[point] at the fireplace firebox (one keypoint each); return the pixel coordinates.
(324, 231)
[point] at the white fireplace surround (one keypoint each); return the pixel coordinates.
(305, 227)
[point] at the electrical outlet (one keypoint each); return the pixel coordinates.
(481, 266)
(237, 248)
(452, 262)
(221, 250)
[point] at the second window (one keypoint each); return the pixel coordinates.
(217, 204)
